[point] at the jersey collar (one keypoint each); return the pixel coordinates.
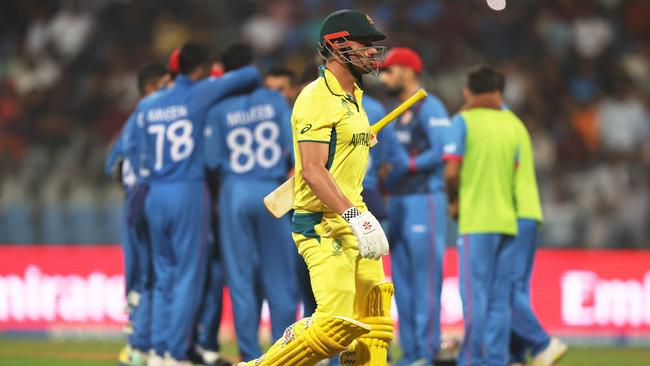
(335, 88)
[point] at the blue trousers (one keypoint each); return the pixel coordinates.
(177, 214)
(138, 273)
(527, 333)
(417, 234)
(259, 258)
(209, 319)
(486, 282)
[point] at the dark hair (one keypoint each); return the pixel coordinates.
(485, 79)
(237, 55)
(192, 56)
(281, 71)
(150, 73)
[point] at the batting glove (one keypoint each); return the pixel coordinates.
(369, 233)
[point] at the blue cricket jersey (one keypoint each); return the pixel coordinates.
(421, 132)
(168, 137)
(249, 136)
(119, 150)
(375, 112)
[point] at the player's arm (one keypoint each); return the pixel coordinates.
(453, 156)
(314, 156)
(212, 90)
(365, 227)
(435, 122)
(119, 150)
(213, 136)
(214, 149)
(112, 166)
(135, 146)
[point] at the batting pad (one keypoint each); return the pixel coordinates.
(307, 342)
(371, 348)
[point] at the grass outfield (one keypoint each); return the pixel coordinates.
(97, 353)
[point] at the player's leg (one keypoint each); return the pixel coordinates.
(498, 321)
(331, 269)
(524, 322)
(140, 339)
(372, 307)
(241, 262)
(518, 350)
(209, 319)
(162, 260)
(188, 236)
(279, 283)
(424, 237)
(402, 274)
(133, 353)
(476, 253)
(130, 262)
(439, 218)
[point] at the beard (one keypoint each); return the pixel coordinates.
(394, 91)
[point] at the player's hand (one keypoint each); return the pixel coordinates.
(369, 233)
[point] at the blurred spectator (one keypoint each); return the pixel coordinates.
(578, 72)
(623, 121)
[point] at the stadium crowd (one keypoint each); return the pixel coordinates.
(579, 77)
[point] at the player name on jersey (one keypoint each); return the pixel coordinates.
(167, 114)
(254, 114)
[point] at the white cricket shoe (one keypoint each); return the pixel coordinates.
(551, 354)
(154, 359)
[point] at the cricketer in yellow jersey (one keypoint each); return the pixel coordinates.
(339, 239)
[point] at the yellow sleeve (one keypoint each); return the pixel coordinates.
(314, 120)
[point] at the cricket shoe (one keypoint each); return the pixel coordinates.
(209, 358)
(155, 359)
(555, 350)
(170, 361)
(131, 357)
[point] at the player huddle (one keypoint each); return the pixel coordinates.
(199, 153)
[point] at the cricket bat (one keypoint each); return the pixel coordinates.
(280, 201)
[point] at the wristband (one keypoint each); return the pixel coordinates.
(351, 213)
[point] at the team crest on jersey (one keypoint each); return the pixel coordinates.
(406, 118)
(348, 107)
(337, 245)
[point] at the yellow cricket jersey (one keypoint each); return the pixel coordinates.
(324, 113)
